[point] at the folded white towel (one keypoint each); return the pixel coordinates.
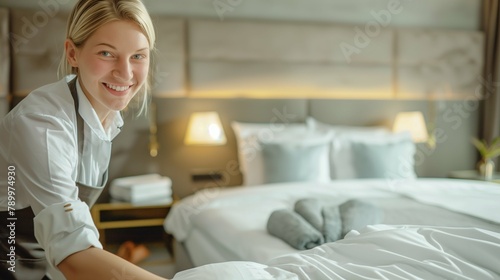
(140, 188)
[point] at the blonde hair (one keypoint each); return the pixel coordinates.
(89, 15)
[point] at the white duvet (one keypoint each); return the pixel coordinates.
(476, 198)
(376, 252)
(234, 219)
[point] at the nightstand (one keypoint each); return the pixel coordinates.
(473, 175)
(145, 221)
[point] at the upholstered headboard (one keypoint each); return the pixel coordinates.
(313, 60)
(269, 59)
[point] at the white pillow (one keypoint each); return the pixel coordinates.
(248, 136)
(341, 162)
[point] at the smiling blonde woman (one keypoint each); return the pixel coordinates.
(56, 144)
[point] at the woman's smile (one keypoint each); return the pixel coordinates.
(117, 90)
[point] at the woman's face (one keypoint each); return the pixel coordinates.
(112, 65)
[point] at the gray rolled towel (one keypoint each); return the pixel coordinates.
(311, 209)
(357, 214)
(332, 227)
(323, 217)
(293, 229)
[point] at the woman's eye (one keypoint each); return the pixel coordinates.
(105, 53)
(138, 56)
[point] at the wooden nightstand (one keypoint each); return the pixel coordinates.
(473, 175)
(138, 219)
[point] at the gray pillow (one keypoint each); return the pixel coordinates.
(295, 161)
(391, 160)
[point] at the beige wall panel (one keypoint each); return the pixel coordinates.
(38, 40)
(4, 53)
(265, 80)
(435, 82)
(291, 42)
(442, 64)
(170, 70)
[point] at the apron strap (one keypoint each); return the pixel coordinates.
(88, 194)
(79, 120)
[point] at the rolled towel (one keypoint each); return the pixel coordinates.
(357, 214)
(293, 229)
(332, 225)
(311, 210)
(323, 217)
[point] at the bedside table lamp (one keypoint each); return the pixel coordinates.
(414, 123)
(205, 128)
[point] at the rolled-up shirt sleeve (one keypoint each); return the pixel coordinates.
(64, 229)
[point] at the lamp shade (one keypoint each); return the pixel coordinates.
(205, 128)
(412, 122)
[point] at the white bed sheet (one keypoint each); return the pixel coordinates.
(233, 220)
(376, 252)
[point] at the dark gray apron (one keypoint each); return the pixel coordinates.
(30, 262)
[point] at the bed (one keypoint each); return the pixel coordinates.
(430, 228)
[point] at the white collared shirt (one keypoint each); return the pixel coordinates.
(39, 139)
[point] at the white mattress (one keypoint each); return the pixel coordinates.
(204, 250)
(229, 224)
